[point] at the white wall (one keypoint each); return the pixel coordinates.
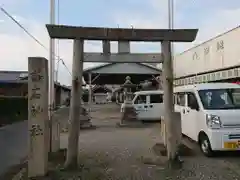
(100, 97)
(199, 59)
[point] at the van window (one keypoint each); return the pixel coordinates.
(156, 98)
(220, 98)
(180, 99)
(236, 96)
(141, 99)
(192, 101)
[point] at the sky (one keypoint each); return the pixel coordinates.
(211, 17)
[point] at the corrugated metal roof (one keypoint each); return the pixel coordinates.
(90, 69)
(12, 75)
(20, 77)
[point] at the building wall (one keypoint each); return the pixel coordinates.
(220, 52)
(20, 90)
(64, 95)
(225, 75)
(13, 89)
(100, 97)
(57, 95)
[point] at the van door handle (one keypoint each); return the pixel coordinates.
(150, 106)
(145, 106)
(183, 111)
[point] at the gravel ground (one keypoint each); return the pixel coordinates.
(115, 153)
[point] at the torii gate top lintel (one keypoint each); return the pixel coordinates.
(121, 34)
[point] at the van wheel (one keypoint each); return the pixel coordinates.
(205, 146)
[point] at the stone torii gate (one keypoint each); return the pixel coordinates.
(123, 36)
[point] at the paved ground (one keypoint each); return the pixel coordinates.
(109, 152)
(13, 145)
(13, 142)
(120, 153)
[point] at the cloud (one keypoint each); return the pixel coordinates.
(222, 21)
(17, 46)
(191, 14)
(210, 23)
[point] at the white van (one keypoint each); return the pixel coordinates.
(210, 115)
(148, 105)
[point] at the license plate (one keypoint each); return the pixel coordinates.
(231, 145)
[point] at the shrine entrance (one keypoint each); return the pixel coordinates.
(112, 76)
(123, 37)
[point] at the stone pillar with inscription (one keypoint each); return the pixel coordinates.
(38, 124)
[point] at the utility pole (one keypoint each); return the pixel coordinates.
(171, 23)
(170, 14)
(51, 71)
(52, 55)
(171, 118)
(58, 43)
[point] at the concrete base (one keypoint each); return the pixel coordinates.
(177, 129)
(183, 150)
(135, 124)
(101, 102)
(128, 113)
(55, 141)
(85, 124)
(161, 150)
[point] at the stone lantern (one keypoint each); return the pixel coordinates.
(127, 109)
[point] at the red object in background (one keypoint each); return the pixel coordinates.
(237, 82)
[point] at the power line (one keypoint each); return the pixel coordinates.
(25, 30)
(33, 37)
(58, 42)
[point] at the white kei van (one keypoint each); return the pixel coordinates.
(148, 105)
(210, 115)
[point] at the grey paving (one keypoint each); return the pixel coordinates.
(13, 145)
